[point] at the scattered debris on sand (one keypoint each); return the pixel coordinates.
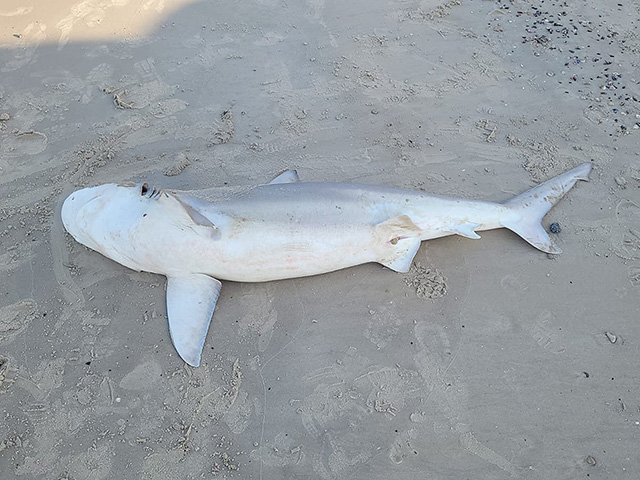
(181, 162)
(225, 129)
(428, 281)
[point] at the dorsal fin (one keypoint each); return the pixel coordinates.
(288, 176)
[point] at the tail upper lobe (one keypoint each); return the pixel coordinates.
(531, 206)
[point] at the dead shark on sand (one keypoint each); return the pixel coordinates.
(285, 229)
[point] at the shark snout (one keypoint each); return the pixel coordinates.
(75, 202)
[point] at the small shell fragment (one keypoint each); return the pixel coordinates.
(555, 227)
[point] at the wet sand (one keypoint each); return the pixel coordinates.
(488, 360)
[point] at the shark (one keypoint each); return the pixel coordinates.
(284, 229)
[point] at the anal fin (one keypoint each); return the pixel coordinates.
(465, 230)
(191, 300)
(399, 239)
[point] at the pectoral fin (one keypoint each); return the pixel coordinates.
(399, 239)
(191, 300)
(190, 216)
(288, 176)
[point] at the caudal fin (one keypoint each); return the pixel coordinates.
(531, 206)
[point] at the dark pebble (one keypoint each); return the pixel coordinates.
(555, 228)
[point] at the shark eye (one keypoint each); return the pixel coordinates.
(144, 189)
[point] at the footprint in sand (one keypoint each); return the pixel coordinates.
(16, 317)
(23, 143)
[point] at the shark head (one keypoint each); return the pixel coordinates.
(144, 228)
(102, 217)
(135, 224)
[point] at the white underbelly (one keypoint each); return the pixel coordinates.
(257, 253)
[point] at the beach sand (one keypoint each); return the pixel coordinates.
(488, 360)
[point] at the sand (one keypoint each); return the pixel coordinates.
(488, 360)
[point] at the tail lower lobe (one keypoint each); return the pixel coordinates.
(531, 206)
